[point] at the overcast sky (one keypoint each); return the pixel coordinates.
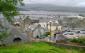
(79, 3)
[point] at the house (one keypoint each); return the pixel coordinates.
(37, 30)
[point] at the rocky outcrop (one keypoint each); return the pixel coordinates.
(16, 36)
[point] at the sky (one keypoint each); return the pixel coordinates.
(79, 3)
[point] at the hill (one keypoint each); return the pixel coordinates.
(50, 7)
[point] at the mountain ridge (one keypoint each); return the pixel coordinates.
(49, 7)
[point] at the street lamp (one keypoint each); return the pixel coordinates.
(50, 22)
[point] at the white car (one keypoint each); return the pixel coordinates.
(70, 35)
(82, 33)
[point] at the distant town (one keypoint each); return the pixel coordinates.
(37, 23)
(49, 26)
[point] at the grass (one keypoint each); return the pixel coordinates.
(37, 47)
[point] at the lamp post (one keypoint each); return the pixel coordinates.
(57, 23)
(50, 22)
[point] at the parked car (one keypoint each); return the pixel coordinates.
(70, 35)
(82, 31)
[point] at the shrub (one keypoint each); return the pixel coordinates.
(3, 35)
(80, 40)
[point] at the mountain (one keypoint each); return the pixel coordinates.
(50, 7)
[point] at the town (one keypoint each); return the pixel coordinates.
(31, 31)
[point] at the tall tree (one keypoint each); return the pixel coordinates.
(9, 8)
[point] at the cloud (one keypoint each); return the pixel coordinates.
(59, 2)
(81, 4)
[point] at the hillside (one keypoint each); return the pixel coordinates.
(38, 47)
(49, 7)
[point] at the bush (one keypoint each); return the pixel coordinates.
(4, 34)
(48, 33)
(80, 40)
(43, 35)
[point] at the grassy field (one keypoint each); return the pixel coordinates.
(37, 47)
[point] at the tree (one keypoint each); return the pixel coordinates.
(8, 8)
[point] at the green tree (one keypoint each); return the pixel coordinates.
(8, 8)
